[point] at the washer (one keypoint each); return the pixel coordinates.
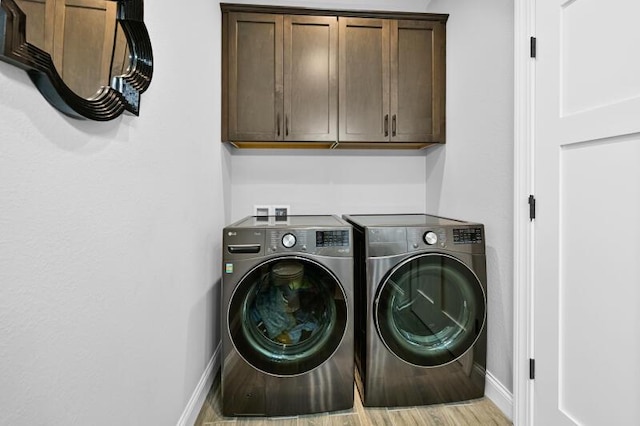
(287, 316)
(420, 288)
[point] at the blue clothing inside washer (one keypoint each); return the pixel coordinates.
(271, 306)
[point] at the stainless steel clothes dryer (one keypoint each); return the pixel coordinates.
(287, 316)
(420, 294)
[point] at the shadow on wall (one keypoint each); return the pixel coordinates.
(499, 314)
(225, 165)
(203, 332)
(435, 161)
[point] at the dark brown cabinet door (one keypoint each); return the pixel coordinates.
(255, 77)
(364, 80)
(417, 81)
(39, 25)
(283, 77)
(84, 31)
(79, 35)
(391, 80)
(310, 78)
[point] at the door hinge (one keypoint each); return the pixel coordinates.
(532, 368)
(532, 207)
(532, 45)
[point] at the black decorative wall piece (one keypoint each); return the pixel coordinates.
(122, 89)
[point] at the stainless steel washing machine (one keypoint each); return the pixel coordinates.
(287, 316)
(420, 294)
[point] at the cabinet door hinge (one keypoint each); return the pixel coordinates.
(532, 368)
(532, 43)
(532, 207)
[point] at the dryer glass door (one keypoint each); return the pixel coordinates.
(287, 316)
(430, 309)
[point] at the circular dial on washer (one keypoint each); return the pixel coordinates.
(430, 238)
(288, 240)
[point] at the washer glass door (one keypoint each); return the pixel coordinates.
(287, 316)
(430, 309)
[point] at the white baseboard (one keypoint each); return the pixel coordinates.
(500, 395)
(191, 411)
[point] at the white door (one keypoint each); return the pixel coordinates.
(586, 272)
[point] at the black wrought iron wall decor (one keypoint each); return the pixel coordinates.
(89, 58)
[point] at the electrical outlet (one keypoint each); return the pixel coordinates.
(281, 213)
(262, 212)
(265, 212)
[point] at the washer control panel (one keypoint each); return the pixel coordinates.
(329, 242)
(333, 238)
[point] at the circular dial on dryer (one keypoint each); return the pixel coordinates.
(288, 240)
(430, 238)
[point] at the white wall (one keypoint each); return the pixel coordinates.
(110, 240)
(471, 177)
(328, 182)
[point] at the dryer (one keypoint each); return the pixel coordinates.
(421, 292)
(287, 316)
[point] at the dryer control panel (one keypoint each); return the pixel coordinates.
(427, 237)
(467, 236)
(469, 239)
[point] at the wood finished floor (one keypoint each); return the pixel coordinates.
(478, 412)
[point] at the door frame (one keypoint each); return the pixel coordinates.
(523, 232)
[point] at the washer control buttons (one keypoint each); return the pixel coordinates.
(430, 238)
(288, 240)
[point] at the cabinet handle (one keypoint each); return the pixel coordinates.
(393, 125)
(278, 123)
(386, 125)
(286, 125)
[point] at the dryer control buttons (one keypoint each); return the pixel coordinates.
(430, 238)
(288, 240)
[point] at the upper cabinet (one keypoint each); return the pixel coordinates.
(311, 78)
(282, 82)
(301, 78)
(391, 81)
(364, 80)
(255, 77)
